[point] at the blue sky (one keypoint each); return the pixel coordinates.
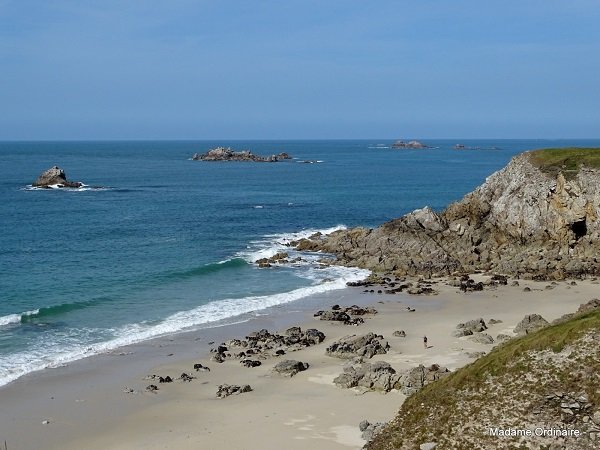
(182, 69)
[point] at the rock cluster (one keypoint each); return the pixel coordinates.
(227, 154)
(225, 390)
(395, 286)
(278, 258)
(365, 346)
(55, 176)
(380, 376)
(523, 221)
(470, 327)
(350, 315)
(263, 344)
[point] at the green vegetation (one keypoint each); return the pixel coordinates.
(565, 160)
(437, 410)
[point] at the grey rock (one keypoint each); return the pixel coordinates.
(55, 176)
(530, 323)
(289, 367)
(503, 338)
(225, 390)
(367, 346)
(379, 376)
(428, 446)
(369, 430)
(482, 338)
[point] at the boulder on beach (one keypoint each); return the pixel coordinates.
(55, 177)
(367, 346)
(289, 367)
(530, 323)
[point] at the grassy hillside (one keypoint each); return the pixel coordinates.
(566, 160)
(509, 387)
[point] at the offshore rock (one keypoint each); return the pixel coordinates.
(227, 154)
(55, 176)
(525, 220)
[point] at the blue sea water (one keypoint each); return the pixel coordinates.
(157, 243)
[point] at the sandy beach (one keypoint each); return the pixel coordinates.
(84, 405)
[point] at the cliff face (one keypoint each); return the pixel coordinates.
(529, 218)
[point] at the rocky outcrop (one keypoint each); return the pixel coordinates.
(366, 346)
(530, 323)
(380, 376)
(525, 220)
(55, 177)
(410, 144)
(289, 367)
(264, 344)
(227, 154)
(348, 315)
(470, 327)
(225, 390)
(369, 430)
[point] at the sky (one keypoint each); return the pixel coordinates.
(291, 69)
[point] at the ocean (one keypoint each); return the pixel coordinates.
(157, 244)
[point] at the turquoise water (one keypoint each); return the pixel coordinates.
(166, 243)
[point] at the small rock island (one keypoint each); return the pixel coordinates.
(227, 154)
(410, 144)
(55, 177)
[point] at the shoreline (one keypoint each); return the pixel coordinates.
(84, 402)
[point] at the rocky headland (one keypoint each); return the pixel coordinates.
(55, 177)
(536, 218)
(227, 154)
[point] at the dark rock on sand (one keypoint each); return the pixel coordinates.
(225, 390)
(289, 367)
(55, 176)
(250, 363)
(367, 346)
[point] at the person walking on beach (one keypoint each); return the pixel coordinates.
(425, 341)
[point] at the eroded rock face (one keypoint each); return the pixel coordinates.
(522, 221)
(55, 176)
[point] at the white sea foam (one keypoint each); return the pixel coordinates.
(273, 243)
(68, 349)
(16, 318)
